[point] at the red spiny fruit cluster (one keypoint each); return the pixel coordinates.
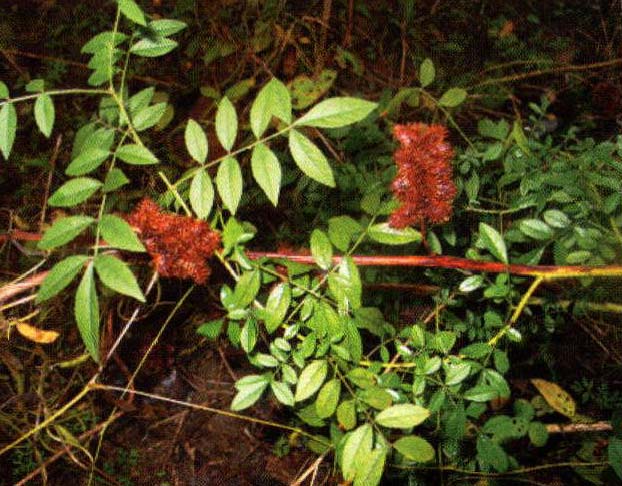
(423, 184)
(178, 245)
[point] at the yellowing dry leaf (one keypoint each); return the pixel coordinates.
(557, 398)
(35, 334)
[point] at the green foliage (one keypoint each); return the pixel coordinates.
(384, 390)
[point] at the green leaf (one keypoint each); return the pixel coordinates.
(44, 114)
(87, 161)
(276, 306)
(476, 350)
(556, 218)
(102, 40)
(246, 289)
(74, 191)
(211, 329)
(201, 194)
(481, 393)
(115, 178)
(196, 141)
(383, 233)
(86, 310)
(538, 434)
(342, 230)
(328, 398)
(8, 127)
(272, 100)
(345, 285)
(336, 112)
(226, 124)
(119, 234)
(311, 379)
(493, 242)
(153, 47)
(427, 73)
(402, 416)
(310, 159)
(415, 448)
(63, 231)
(282, 393)
(4, 90)
(248, 335)
(140, 100)
(229, 183)
(267, 171)
(346, 414)
(491, 453)
(116, 275)
(518, 134)
(60, 276)
(536, 229)
(166, 27)
(614, 454)
(148, 117)
(250, 388)
(452, 97)
(370, 470)
(135, 154)
(356, 446)
(321, 249)
(471, 283)
(457, 373)
(132, 11)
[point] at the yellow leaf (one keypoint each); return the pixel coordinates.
(558, 398)
(37, 335)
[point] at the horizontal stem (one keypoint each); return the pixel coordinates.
(548, 272)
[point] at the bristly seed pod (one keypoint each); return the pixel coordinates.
(423, 184)
(178, 245)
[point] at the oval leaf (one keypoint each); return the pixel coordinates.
(74, 191)
(196, 141)
(383, 233)
(229, 183)
(44, 114)
(402, 416)
(276, 306)
(116, 275)
(201, 194)
(452, 97)
(282, 393)
(558, 398)
(119, 234)
(310, 159)
(60, 276)
(226, 123)
(135, 154)
(328, 398)
(311, 379)
(321, 249)
(415, 448)
(337, 112)
(427, 73)
(267, 172)
(357, 444)
(250, 388)
(87, 161)
(153, 47)
(272, 99)
(86, 310)
(8, 127)
(493, 242)
(132, 11)
(63, 231)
